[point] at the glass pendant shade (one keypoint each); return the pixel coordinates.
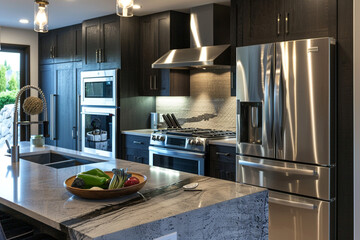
(41, 16)
(124, 8)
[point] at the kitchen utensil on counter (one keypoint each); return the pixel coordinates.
(106, 193)
(167, 120)
(171, 120)
(175, 120)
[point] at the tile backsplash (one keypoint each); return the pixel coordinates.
(209, 105)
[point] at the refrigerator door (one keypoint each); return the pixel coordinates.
(255, 65)
(303, 179)
(304, 101)
(300, 218)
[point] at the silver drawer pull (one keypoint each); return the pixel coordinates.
(279, 169)
(137, 142)
(289, 203)
(223, 154)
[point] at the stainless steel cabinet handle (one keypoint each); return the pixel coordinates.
(278, 19)
(262, 166)
(101, 59)
(53, 116)
(73, 132)
(51, 52)
(155, 82)
(78, 123)
(292, 203)
(232, 77)
(223, 154)
(151, 84)
(287, 23)
(137, 142)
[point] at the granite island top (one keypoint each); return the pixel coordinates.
(222, 210)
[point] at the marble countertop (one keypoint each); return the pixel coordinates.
(38, 192)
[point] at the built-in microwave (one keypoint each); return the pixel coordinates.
(98, 88)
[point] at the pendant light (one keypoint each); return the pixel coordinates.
(41, 16)
(124, 8)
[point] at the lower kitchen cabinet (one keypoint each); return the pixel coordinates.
(136, 148)
(222, 162)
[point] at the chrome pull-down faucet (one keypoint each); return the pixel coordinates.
(15, 148)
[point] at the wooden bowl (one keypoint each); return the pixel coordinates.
(106, 193)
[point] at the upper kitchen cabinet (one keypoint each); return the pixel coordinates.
(263, 21)
(101, 43)
(60, 45)
(158, 34)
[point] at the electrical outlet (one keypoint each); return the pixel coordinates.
(171, 236)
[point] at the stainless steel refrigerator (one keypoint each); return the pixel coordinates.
(286, 133)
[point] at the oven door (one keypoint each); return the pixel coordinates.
(99, 131)
(98, 88)
(175, 159)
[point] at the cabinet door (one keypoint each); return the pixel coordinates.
(65, 105)
(222, 162)
(161, 24)
(77, 72)
(147, 53)
(47, 85)
(110, 42)
(91, 43)
(47, 44)
(65, 48)
(263, 21)
(78, 42)
(310, 19)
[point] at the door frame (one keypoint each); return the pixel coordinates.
(24, 51)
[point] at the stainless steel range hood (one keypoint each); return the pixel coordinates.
(202, 57)
(209, 41)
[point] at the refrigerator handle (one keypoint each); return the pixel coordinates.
(268, 99)
(291, 203)
(278, 101)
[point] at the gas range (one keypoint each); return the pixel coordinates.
(191, 139)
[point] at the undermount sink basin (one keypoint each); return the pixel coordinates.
(56, 160)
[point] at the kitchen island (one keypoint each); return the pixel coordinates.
(222, 210)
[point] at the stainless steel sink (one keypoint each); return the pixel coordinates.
(57, 160)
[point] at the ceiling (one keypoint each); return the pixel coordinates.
(69, 12)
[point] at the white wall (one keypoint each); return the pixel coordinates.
(25, 37)
(356, 26)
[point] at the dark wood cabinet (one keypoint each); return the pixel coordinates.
(47, 47)
(264, 21)
(65, 105)
(60, 45)
(136, 148)
(160, 33)
(222, 162)
(101, 43)
(58, 82)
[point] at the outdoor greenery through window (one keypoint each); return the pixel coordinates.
(9, 86)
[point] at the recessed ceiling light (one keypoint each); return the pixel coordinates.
(24, 21)
(136, 6)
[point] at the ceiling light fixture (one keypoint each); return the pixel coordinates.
(136, 6)
(41, 16)
(24, 21)
(124, 8)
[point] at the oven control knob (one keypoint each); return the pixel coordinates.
(153, 138)
(162, 138)
(198, 142)
(158, 138)
(191, 141)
